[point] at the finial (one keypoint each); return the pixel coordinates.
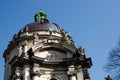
(108, 78)
(39, 16)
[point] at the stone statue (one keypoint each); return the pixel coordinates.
(20, 51)
(81, 50)
(36, 38)
(18, 72)
(40, 17)
(80, 53)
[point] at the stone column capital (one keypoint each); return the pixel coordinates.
(72, 73)
(36, 70)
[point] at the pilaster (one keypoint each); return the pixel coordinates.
(79, 73)
(26, 72)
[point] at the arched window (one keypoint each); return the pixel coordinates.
(53, 79)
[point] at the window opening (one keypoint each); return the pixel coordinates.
(53, 79)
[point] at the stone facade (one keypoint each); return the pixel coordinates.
(45, 51)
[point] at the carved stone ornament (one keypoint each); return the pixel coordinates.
(81, 50)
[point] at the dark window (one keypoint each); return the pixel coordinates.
(53, 79)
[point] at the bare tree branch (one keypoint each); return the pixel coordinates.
(113, 65)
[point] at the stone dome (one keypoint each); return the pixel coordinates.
(36, 26)
(41, 24)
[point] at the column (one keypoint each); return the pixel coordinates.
(72, 72)
(26, 72)
(36, 72)
(79, 73)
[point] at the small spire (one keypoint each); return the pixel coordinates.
(41, 17)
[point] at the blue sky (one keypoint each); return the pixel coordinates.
(94, 24)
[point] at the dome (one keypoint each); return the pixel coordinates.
(41, 24)
(36, 26)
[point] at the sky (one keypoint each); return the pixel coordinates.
(93, 24)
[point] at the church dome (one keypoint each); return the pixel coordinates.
(36, 26)
(41, 24)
